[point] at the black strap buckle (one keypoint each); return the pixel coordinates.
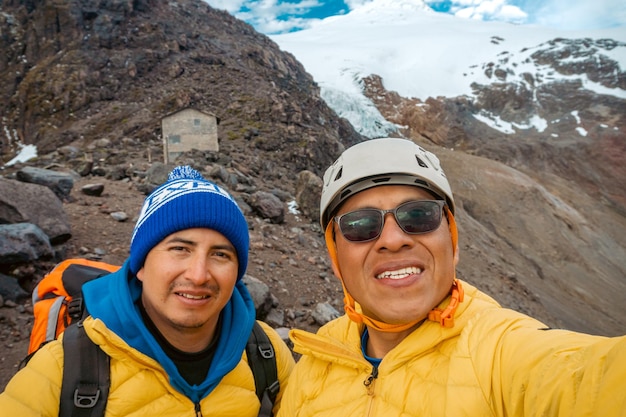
(75, 308)
(266, 350)
(273, 389)
(88, 397)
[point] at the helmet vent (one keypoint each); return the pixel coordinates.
(379, 180)
(339, 174)
(422, 184)
(345, 194)
(420, 162)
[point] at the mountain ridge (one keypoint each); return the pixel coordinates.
(541, 219)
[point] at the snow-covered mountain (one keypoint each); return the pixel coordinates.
(530, 125)
(420, 54)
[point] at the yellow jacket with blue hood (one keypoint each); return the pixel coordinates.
(144, 379)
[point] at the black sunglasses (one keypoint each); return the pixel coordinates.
(413, 217)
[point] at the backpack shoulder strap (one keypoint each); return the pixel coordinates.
(86, 378)
(262, 361)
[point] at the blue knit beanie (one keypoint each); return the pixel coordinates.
(186, 201)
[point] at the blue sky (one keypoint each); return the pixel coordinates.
(280, 16)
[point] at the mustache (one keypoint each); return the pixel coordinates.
(184, 287)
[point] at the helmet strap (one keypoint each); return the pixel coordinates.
(444, 316)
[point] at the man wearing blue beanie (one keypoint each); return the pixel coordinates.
(174, 320)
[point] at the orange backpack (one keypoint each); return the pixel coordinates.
(57, 298)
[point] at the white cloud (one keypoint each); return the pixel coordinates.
(581, 14)
(488, 10)
(561, 14)
(279, 16)
(270, 16)
(231, 6)
(512, 13)
(353, 4)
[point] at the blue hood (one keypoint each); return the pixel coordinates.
(114, 299)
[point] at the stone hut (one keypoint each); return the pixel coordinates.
(188, 129)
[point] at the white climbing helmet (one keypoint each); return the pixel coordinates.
(383, 161)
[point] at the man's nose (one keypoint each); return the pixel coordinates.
(197, 270)
(392, 236)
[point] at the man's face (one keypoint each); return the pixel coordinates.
(398, 277)
(187, 279)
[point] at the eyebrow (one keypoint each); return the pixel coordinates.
(399, 204)
(176, 239)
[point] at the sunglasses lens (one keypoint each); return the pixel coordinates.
(414, 217)
(419, 216)
(361, 225)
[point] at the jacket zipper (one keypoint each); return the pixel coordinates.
(369, 381)
(198, 410)
(369, 385)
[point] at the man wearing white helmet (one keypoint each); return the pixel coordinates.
(415, 340)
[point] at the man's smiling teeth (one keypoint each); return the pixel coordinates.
(399, 273)
(192, 297)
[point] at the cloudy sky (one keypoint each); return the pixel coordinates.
(280, 16)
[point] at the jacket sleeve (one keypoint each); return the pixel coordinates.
(34, 390)
(537, 371)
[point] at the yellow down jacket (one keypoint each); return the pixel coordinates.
(493, 362)
(139, 385)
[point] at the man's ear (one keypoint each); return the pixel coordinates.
(140, 274)
(331, 247)
(336, 269)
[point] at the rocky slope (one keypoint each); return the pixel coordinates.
(541, 217)
(76, 71)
